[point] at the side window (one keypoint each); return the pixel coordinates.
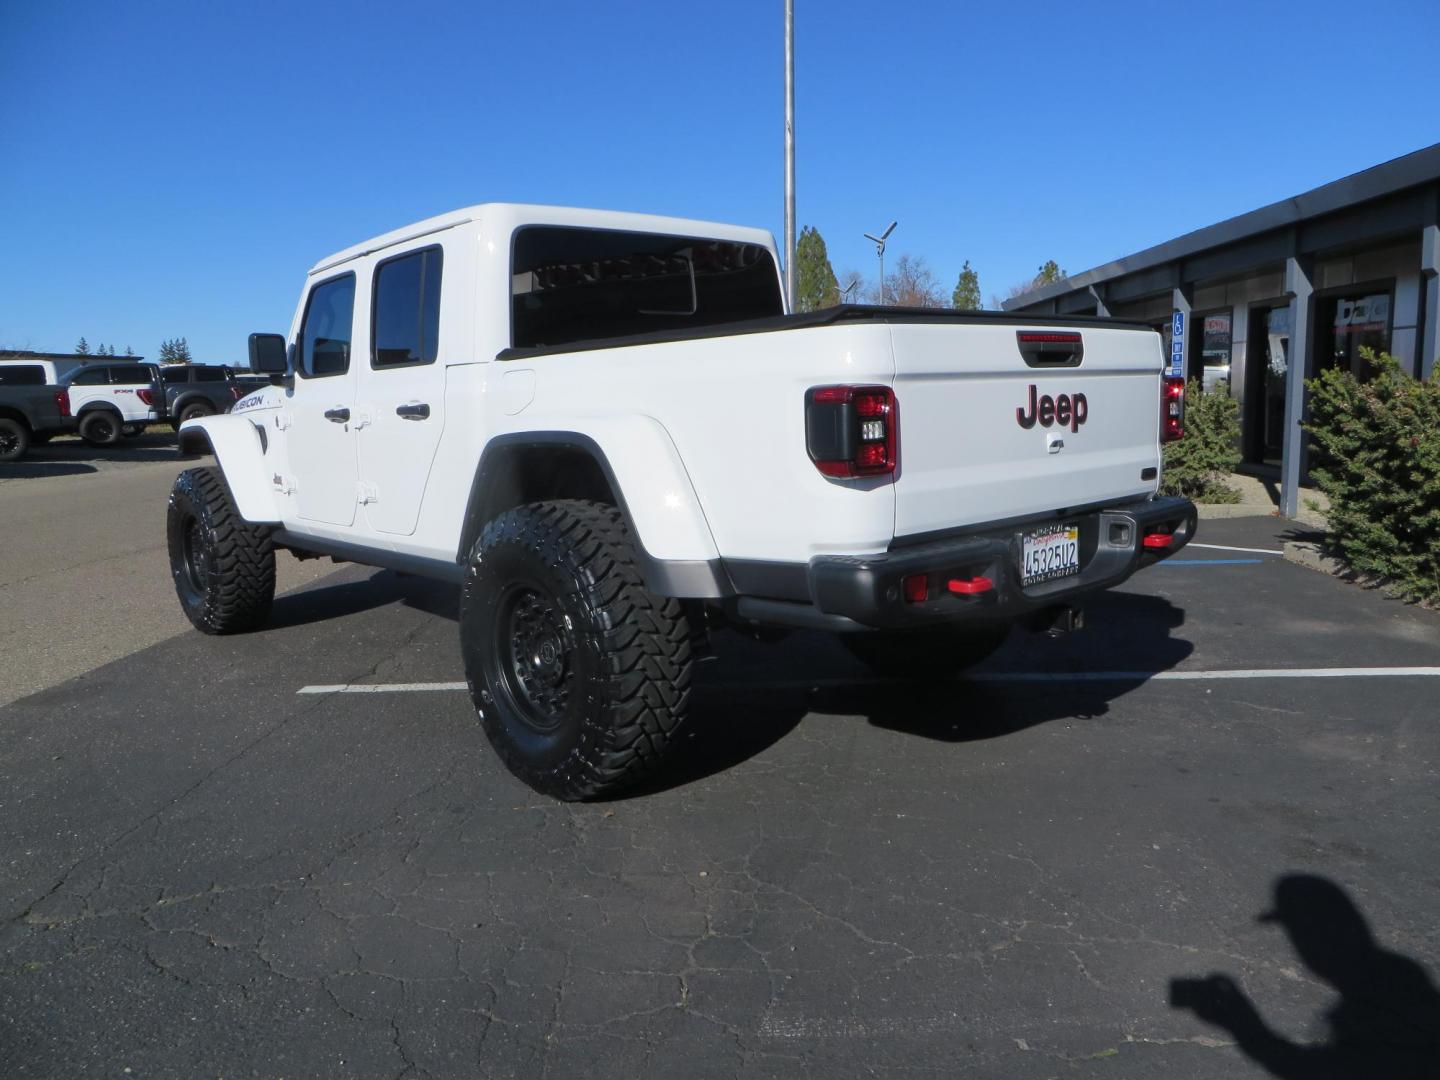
(91, 377)
(172, 376)
(325, 330)
(405, 322)
(19, 375)
(130, 375)
(209, 374)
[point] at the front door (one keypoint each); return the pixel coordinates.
(1267, 367)
(402, 388)
(322, 431)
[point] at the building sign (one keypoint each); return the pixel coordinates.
(1177, 346)
(1368, 314)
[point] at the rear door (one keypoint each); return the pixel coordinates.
(402, 386)
(322, 439)
(1005, 420)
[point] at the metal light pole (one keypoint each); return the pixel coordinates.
(880, 251)
(790, 152)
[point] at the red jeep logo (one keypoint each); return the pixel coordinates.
(1066, 410)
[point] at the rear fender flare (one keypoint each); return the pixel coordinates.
(676, 550)
(239, 453)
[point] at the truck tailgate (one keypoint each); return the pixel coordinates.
(999, 421)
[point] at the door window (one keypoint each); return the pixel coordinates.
(91, 377)
(326, 329)
(406, 316)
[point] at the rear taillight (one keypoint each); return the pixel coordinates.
(1172, 410)
(62, 399)
(236, 393)
(852, 430)
(146, 396)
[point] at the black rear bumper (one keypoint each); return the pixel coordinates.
(868, 590)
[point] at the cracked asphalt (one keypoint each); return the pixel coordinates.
(207, 874)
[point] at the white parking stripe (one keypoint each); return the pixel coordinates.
(984, 676)
(1227, 547)
(380, 688)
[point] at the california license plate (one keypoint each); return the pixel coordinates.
(1049, 553)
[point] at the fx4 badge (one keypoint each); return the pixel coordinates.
(1066, 410)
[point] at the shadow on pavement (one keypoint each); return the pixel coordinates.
(352, 597)
(1387, 1022)
(28, 469)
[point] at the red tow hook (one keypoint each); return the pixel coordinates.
(1158, 540)
(970, 586)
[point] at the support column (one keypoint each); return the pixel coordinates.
(1101, 308)
(1182, 297)
(1302, 302)
(1429, 343)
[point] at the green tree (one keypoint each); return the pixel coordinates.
(82, 348)
(966, 296)
(129, 351)
(182, 352)
(174, 351)
(1048, 274)
(815, 284)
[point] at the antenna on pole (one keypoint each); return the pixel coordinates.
(879, 242)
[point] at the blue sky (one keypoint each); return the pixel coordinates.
(173, 169)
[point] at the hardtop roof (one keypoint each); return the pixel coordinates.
(503, 218)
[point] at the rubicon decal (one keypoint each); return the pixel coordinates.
(1067, 410)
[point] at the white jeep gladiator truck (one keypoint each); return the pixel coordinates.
(606, 429)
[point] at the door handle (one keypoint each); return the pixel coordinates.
(413, 412)
(338, 416)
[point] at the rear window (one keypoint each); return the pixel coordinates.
(582, 284)
(90, 377)
(22, 375)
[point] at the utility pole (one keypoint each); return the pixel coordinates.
(790, 153)
(880, 251)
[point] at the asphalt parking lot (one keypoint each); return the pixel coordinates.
(1055, 867)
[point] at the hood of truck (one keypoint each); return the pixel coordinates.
(993, 432)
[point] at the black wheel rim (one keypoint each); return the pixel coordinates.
(102, 429)
(9, 441)
(196, 556)
(536, 654)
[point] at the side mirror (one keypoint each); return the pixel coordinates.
(268, 355)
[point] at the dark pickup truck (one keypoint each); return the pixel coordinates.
(193, 390)
(32, 414)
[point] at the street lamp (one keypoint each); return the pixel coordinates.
(880, 251)
(845, 292)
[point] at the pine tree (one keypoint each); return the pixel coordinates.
(129, 351)
(815, 284)
(167, 351)
(1048, 274)
(182, 352)
(82, 348)
(967, 290)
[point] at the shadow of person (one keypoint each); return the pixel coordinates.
(1387, 1022)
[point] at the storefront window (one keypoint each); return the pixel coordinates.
(1215, 347)
(1349, 324)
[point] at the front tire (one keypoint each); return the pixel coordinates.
(224, 568)
(100, 428)
(579, 674)
(932, 653)
(14, 439)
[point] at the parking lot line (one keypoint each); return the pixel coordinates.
(1211, 562)
(1227, 547)
(989, 677)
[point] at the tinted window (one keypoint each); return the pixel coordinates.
(582, 284)
(21, 375)
(127, 374)
(209, 374)
(90, 377)
(325, 333)
(172, 376)
(406, 320)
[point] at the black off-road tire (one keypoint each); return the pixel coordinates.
(224, 568)
(932, 653)
(14, 439)
(100, 427)
(194, 411)
(579, 674)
